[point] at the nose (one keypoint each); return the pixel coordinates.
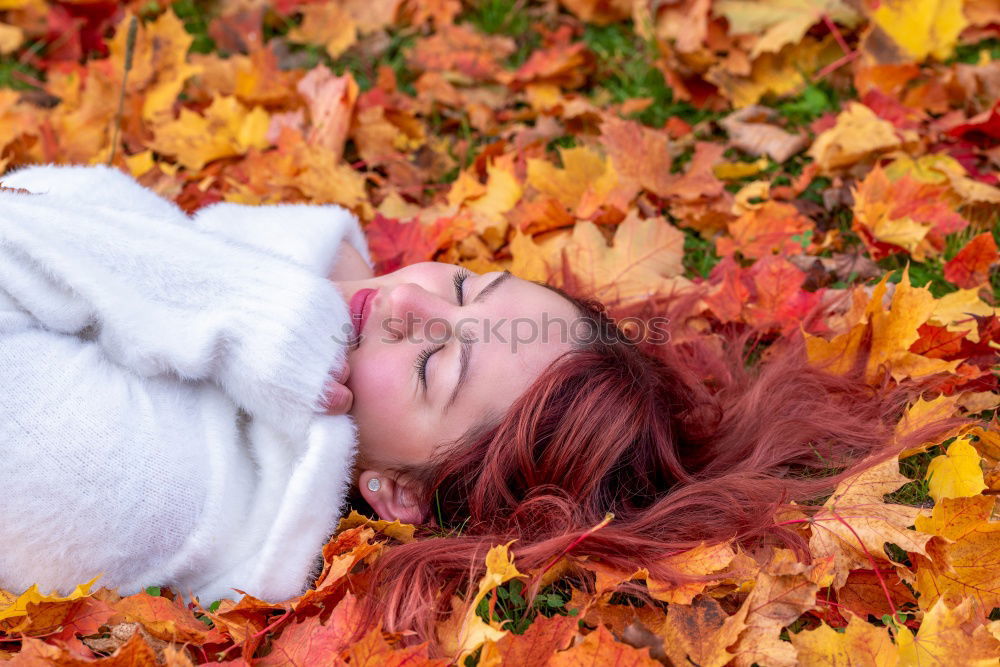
(414, 309)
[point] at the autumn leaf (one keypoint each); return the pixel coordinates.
(600, 648)
(922, 27)
(226, 129)
(644, 258)
(856, 522)
(962, 564)
(326, 24)
(970, 267)
(859, 644)
(956, 473)
(307, 642)
(857, 135)
(464, 633)
(948, 636)
(781, 22)
(801, 170)
(13, 606)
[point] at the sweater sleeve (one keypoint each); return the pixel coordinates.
(310, 235)
(126, 269)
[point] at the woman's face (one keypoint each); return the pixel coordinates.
(441, 350)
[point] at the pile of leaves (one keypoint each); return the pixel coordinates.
(816, 168)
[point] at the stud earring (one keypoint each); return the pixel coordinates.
(374, 484)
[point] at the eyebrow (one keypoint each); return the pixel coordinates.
(466, 354)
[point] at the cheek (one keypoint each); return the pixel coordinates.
(377, 380)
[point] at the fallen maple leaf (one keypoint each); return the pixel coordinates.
(750, 131)
(921, 27)
(956, 473)
(643, 259)
(600, 648)
(963, 561)
(970, 267)
(948, 636)
(858, 135)
(859, 644)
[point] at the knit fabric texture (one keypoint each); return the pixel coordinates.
(160, 415)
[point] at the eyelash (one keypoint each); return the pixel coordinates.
(421, 363)
(460, 277)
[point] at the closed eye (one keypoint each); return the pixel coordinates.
(458, 281)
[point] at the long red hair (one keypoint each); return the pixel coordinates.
(683, 443)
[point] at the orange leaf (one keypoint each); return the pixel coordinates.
(395, 244)
(309, 642)
(640, 154)
(600, 648)
(971, 266)
(535, 647)
(766, 230)
(166, 619)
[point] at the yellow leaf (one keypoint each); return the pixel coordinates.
(394, 529)
(159, 63)
(955, 311)
(922, 413)
(502, 192)
(474, 631)
(893, 331)
(702, 559)
(964, 561)
(861, 643)
(856, 522)
(733, 171)
(778, 74)
(956, 473)
(922, 27)
(465, 187)
(11, 37)
(858, 134)
(139, 163)
(949, 636)
(585, 180)
(528, 258)
(226, 129)
(904, 232)
(780, 22)
(19, 606)
(328, 24)
(643, 261)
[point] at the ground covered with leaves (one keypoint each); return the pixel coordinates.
(817, 168)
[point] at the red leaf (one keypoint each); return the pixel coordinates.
(982, 129)
(395, 244)
(971, 266)
(937, 342)
(308, 642)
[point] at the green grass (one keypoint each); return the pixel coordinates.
(499, 17)
(195, 17)
(816, 100)
(916, 492)
(18, 76)
(511, 607)
(931, 271)
(969, 53)
(506, 17)
(699, 254)
(625, 71)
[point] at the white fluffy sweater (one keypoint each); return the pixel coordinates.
(160, 418)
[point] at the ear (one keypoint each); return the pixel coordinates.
(395, 499)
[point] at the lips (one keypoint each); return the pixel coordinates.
(361, 306)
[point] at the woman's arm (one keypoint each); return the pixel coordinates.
(161, 297)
